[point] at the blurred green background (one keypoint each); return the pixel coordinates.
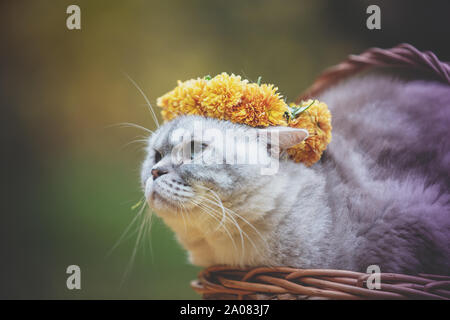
(68, 178)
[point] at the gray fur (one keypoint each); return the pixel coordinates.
(379, 195)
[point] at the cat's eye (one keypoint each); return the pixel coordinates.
(197, 148)
(158, 156)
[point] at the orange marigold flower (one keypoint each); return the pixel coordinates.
(317, 120)
(184, 99)
(228, 97)
(261, 106)
(221, 94)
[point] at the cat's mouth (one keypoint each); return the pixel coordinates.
(168, 194)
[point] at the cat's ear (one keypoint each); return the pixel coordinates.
(283, 137)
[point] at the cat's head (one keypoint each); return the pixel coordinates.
(194, 163)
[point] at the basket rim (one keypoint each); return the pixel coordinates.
(403, 55)
(218, 282)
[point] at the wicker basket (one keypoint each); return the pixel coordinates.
(283, 283)
(402, 56)
(221, 282)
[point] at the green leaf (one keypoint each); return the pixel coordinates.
(298, 110)
(137, 204)
(258, 82)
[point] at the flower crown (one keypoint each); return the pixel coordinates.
(228, 97)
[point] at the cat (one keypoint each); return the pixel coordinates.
(380, 195)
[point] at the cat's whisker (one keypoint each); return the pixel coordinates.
(219, 202)
(250, 225)
(127, 229)
(147, 233)
(240, 230)
(131, 125)
(211, 213)
(182, 208)
(246, 221)
(155, 118)
(135, 249)
(232, 220)
(223, 212)
(221, 224)
(135, 141)
(204, 209)
(198, 203)
(238, 216)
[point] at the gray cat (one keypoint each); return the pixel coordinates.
(378, 196)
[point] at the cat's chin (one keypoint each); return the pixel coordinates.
(162, 205)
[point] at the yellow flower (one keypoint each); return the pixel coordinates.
(228, 97)
(317, 120)
(184, 99)
(221, 94)
(261, 106)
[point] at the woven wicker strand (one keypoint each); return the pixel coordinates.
(401, 56)
(281, 283)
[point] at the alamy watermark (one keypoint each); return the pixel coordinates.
(373, 22)
(73, 21)
(374, 280)
(212, 146)
(74, 280)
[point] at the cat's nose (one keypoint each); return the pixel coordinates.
(157, 173)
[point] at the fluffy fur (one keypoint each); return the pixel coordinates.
(379, 195)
